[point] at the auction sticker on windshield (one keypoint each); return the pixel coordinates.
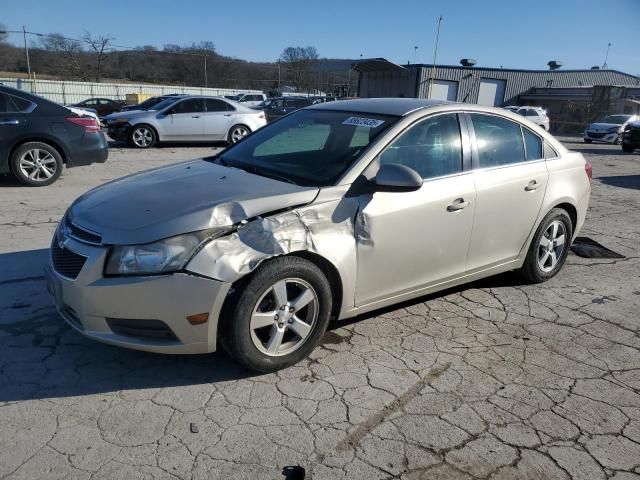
(363, 122)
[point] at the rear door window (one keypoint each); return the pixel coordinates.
(215, 105)
(11, 104)
(499, 141)
(533, 144)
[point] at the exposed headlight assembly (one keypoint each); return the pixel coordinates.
(613, 129)
(164, 256)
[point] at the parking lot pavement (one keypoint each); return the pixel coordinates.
(496, 379)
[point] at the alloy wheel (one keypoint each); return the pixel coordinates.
(142, 137)
(238, 133)
(38, 165)
(552, 246)
(284, 317)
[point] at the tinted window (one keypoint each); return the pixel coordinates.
(499, 140)
(531, 113)
(308, 147)
(432, 147)
(214, 105)
(301, 103)
(533, 144)
(11, 104)
(193, 105)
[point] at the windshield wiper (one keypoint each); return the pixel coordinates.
(264, 173)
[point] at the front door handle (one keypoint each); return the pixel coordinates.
(457, 205)
(531, 186)
(11, 121)
(227, 114)
(195, 116)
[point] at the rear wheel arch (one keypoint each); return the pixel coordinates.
(571, 210)
(49, 142)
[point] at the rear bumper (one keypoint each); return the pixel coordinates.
(90, 148)
(126, 311)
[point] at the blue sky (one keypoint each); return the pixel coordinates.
(512, 33)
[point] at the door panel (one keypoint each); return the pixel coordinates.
(186, 123)
(217, 119)
(509, 190)
(411, 240)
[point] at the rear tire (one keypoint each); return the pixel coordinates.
(142, 136)
(36, 164)
(549, 247)
(259, 328)
(237, 133)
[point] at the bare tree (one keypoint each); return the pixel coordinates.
(299, 62)
(68, 51)
(3, 32)
(99, 46)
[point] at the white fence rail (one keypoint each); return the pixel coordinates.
(73, 92)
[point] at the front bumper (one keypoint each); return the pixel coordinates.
(92, 304)
(119, 131)
(600, 137)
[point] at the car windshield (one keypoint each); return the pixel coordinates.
(164, 103)
(615, 119)
(308, 147)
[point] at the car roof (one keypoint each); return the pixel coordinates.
(380, 106)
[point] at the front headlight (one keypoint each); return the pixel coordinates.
(164, 256)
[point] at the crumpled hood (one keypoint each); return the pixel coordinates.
(129, 114)
(602, 126)
(181, 198)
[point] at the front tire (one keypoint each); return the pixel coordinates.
(36, 164)
(278, 317)
(549, 247)
(142, 136)
(627, 148)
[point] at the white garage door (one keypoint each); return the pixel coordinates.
(491, 92)
(443, 90)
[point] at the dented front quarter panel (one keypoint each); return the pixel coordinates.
(325, 228)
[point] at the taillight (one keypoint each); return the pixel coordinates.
(90, 124)
(588, 169)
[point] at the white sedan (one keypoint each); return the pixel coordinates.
(185, 119)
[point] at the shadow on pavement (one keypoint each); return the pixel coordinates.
(622, 181)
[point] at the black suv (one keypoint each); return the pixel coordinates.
(631, 137)
(38, 136)
(278, 107)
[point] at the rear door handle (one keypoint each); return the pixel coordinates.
(227, 114)
(195, 116)
(11, 121)
(457, 205)
(531, 186)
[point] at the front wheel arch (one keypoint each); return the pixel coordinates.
(150, 127)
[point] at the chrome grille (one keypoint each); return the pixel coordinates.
(65, 262)
(81, 234)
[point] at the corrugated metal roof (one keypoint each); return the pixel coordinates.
(376, 65)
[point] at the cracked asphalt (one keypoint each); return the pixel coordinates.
(497, 379)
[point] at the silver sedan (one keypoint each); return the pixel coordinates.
(333, 211)
(185, 118)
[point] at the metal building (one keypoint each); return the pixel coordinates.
(486, 86)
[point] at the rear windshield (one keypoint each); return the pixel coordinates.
(308, 147)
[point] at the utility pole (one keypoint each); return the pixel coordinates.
(435, 56)
(26, 49)
(606, 57)
(205, 69)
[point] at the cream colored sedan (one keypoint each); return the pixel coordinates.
(333, 211)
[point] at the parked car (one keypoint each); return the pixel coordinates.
(250, 99)
(631, 137)
(333, 211)
(536, 115)
(150, 102)
(102, 106)
(38, 137)
(609, 129)
(185, 119)
(278, 107)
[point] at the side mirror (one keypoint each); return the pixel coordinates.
(394, 177)
(171, 111)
